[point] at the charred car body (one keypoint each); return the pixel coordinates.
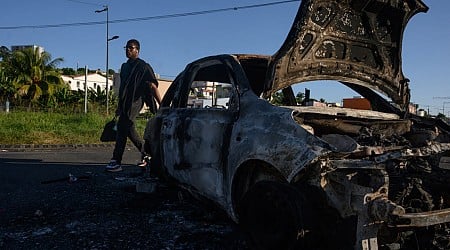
(307, 177)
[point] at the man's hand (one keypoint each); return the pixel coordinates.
(156, 92)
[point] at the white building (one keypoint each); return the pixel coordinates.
(205, 93)
(94, 80)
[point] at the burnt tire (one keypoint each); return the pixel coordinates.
(272, 214)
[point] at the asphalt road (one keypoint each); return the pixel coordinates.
(41, 208)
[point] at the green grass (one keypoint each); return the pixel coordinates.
(53, 128)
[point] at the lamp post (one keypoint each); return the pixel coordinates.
(107, 72)
(107, 53)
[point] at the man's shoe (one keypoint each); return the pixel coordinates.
(113, 166)
(145, 162)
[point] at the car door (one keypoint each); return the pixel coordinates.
(196, 129)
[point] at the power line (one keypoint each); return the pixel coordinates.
(195, 13)
(87, 3)
(202, 12)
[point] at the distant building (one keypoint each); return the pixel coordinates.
(205, 93)
(22, 47)
(421, 112)
(413, 108)
(333, 104)
(94, 80)
(314, 103)
(356, 102)
(308, 101)
(359, 102)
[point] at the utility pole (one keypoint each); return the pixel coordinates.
(85, 89)
(443, 107)
(107, 52)
(443, 103)
(428, 110)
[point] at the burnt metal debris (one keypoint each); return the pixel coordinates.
(308, 177)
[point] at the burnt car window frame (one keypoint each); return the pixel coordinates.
(205, 70)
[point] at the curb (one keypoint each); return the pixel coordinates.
(47, 147)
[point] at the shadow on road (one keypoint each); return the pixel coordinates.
(67, 200)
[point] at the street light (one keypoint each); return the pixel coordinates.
(113, 38)
(107, 71)
(107, 53)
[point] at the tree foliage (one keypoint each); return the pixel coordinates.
(34, 74)
(6, 86)
(278, 98)
(68, 71)
(7, 89)
(300, 97)
(5, 53)
(30, 77)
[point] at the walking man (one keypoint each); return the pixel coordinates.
(138, 85)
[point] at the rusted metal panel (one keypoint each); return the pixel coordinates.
(261, 125)
(348, 124)
(445, 163)
(351, 41)
(423, 219)
(345, 112)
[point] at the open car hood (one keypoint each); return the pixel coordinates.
(354, 41)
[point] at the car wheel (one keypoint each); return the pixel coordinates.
(272, 214)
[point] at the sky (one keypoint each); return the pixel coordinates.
(170, 43)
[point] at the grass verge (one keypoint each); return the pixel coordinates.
(53, 128)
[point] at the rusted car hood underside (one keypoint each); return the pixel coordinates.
(351, 41)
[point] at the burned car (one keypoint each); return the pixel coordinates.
(306, 177)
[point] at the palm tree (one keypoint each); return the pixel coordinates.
(300, 97)
(6, 86)
(35, 74)
(5, 53)
(277, 98)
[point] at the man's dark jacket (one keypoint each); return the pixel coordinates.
(135, 89)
